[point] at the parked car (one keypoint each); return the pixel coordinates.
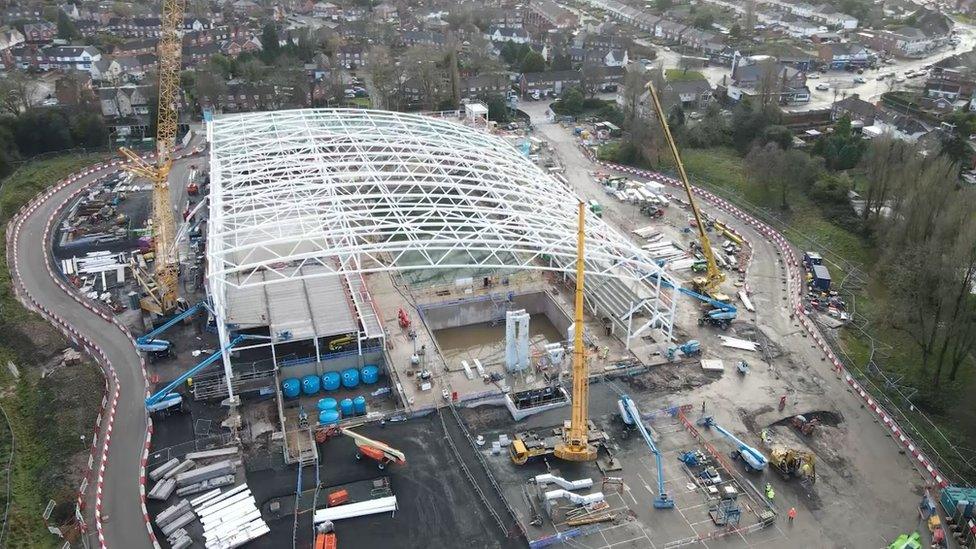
(813, 76)
(822, 87)
(859, 80)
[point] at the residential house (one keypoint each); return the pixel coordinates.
(326, 10)
(246, 8)
(70, 57)
(548, 82)
(386, 13)
(608, 58)
(137, 46)
(842, 55)
(353, 13)
(829, 16)
(511, 18)
(74, 89)
(10, 40)
(647, 22)
(421, 38)
(25, 13)
(507, 34)
(239, 45)
(931, 30)
(545, 15)
(480, 85)
(352, 56)
(126, 110)
(765, 75)
(194, 56)
(689, 93)
(133, 27)
(953, 77)
(697, 39)
(796, 27)
(40, 32)
(855, 108)
(670, 31)
(196, 24)
(71, 10)
(241, 97)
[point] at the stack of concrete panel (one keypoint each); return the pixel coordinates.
(175, 518)
(162, 490)
(230, 519)
(215, 482)
(211, 454)
(158, 472)
(181, 468)
(200, 474)
(180, 539)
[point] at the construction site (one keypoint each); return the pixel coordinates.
(374, 329)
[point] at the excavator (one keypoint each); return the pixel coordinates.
(707, 287)
(578, 439)
(791, 462)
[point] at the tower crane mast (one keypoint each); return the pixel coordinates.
(162, 299)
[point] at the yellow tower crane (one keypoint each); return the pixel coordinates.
(710, 283)
(576, 444)
(161, 297)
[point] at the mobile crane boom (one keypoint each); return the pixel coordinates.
(162, 299)
(708, 284)
(576, 445)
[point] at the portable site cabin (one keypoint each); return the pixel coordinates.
(812, 258)
(821, 278)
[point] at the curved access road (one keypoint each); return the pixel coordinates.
(115, 498)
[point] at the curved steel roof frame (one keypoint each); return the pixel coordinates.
(356, 191)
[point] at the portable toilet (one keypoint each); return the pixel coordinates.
(821, 278)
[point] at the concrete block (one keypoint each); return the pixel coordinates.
(158, 472)
(181, 468)
(180, 522)
(200, 474)
(172, 513)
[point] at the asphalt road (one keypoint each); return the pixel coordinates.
(122, 514)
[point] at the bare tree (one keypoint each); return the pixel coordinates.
(386, 77)
(884, 164)
(591, 76)
(423, 65)
(16, 92)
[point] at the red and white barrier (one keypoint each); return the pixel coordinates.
(105, 418)
(795, 292)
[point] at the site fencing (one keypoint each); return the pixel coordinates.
(888, 388)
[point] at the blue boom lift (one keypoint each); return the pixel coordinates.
(148, 342)
(631, 416)
(722, 313)
(165, 398)
(753, 458)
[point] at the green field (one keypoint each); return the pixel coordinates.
(49, 416)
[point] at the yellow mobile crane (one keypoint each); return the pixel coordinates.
(161, 296)
(710, 283)
(577, 440)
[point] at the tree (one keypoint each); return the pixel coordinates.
(422, 64)
(735, 32)
(209, 85)
(777, 170)
(748, 123)
(269, 41)
(533, 62)
(635, 85)
(781, 135)
(676, 117)
(711, 131)
(66, 27)
(386, 77)
(704, 20)
(842, 148)
(663, 5)
(886, 162)
(572, 101)
(16, 91)
(88, 130)
(497, 108)
(928, 264)
(591, 77)
(561, 62)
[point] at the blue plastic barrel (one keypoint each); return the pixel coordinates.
(291, 387)
(347, 408)
(359, 405)
(327, 404)
(331, 381)
(350, 378)
(370, 374)
(310, 385)
(328, 417)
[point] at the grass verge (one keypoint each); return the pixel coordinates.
(51, 415)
